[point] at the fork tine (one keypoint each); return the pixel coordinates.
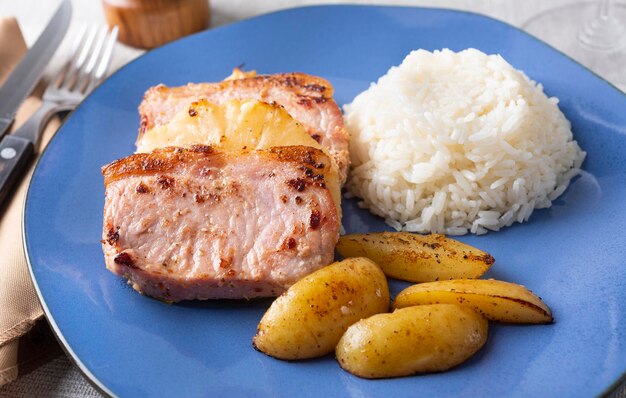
(79, 60)
(65, 70)
(87, 72)
(101, 57)
(84, 54)
(106, 56)
(85, 68)
(95, 53)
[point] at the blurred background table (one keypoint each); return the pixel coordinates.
(59, 377)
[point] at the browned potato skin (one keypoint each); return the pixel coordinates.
(308, 320)
(420, 339)
(417, 258)
(497, 300)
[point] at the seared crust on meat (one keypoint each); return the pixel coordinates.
(196, 223)
(307, 98)
(170, 158)
(163, 159)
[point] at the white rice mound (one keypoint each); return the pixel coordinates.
(458, 142)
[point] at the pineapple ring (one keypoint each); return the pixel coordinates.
(236, 125)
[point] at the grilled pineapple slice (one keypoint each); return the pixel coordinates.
(233, 126)
(238, 73)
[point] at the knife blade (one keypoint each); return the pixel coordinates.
(28, 72)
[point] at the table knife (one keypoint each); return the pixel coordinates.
(28, 72)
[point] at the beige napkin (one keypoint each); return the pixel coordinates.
(19, 306)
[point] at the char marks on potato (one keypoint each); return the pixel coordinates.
(197, 224)
(419, 339)
(417, 258)
(308, 320)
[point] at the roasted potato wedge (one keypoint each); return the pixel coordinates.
(236, 125)
(417, 258)
(425, 338)
(308, 320)
(496, 300)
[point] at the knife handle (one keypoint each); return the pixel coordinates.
(15, 156)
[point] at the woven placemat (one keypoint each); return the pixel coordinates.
(57, 378)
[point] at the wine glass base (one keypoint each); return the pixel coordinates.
(572, 30)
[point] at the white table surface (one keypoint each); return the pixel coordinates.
(59, 378)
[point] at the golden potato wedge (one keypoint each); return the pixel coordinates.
(425, 338)
(308, 320)
(236, 125)
(496, 300)
(417, 258)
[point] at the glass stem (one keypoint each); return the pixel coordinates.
(603, 32)
(605, 9)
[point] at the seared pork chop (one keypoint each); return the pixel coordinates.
(184, 224)
(308, 99)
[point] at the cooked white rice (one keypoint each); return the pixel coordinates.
(458, 142)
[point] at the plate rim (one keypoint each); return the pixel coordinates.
(70, 354)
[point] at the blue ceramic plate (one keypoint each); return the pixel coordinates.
(572, 254)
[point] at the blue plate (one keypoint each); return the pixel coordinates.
(572, 254)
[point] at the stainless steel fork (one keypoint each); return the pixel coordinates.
(83, 71)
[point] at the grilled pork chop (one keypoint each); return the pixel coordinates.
(308, 99)
(184, 224)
